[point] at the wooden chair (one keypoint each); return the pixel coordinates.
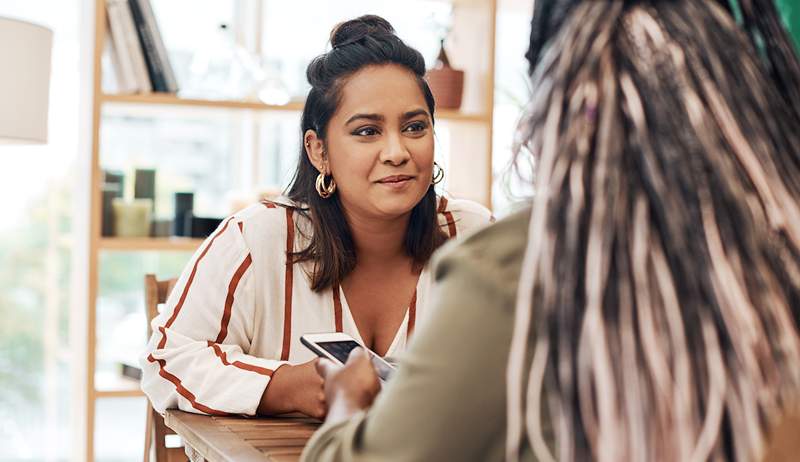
(156, 293)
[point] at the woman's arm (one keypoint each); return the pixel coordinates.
(294, 389)
(197, 358)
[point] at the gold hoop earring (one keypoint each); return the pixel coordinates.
(325, 191)
(438, 175)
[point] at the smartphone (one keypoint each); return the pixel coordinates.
(337, 346)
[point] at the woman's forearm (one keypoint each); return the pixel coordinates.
(294, 388)
(277, 398)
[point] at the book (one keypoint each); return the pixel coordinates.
(120, 56)
(161, 49)
(121, 79)
(122, 26)
(155, 53)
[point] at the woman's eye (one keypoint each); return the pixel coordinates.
(417, 126)
(366, 131)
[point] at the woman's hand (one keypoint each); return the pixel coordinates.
(351, 388)
(295, 389)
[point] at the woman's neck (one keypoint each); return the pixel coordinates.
(378, 240)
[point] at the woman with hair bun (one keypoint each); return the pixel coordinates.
(345, 250)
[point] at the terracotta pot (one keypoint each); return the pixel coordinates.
(447, 86)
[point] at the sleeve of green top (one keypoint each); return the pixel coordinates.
(447, 400)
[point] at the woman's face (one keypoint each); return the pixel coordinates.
(380, 143)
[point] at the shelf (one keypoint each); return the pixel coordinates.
(132, 393)
(150, 243)
(109, 385)
(168, 99)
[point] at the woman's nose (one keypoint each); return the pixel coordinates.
(395, 152)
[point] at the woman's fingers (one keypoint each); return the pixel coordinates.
(355, 354)
(325, 367)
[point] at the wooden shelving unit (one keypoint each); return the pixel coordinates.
(470, 172)
(172, 100)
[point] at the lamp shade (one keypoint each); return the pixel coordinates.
(24, 81)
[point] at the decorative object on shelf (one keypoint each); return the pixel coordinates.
(447, 84)
(225, 69)
(202, 227)
(132, 218)
(184, 206)
(24, 81)
(162, 228)
(113, 184)
(110, 193)
(144, 185)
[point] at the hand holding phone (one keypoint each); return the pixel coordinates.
(337, 346)
(350, 388)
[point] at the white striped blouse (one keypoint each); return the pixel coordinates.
(238, 310)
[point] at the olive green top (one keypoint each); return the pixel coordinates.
(447, 400)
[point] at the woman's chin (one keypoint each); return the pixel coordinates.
(395, 204)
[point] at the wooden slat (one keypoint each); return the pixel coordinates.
(95, 204)
(215, 442)
(272, 433)
(217, 439)
(283, 458)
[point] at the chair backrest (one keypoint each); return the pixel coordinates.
(156, 293)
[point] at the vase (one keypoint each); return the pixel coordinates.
(446, 83)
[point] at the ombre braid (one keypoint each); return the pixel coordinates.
(660, 289)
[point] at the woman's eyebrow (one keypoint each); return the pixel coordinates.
(411, 114)
(373, 117)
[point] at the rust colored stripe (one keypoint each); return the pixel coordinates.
(244, 366)
(189, 284)
(412, 314)
(442, 205)
(451, 223)
(269, 205)
(241, 227)
(226, 314)
(337, 307)
(181, 389)
(287, 286)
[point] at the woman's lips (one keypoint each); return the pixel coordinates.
(396, 181)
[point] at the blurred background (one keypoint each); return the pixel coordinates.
(72, 318)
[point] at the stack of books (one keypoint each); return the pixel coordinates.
(138, 54)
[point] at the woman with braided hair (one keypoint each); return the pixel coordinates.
(646, 306)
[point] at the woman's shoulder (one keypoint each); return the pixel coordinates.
(269, 217)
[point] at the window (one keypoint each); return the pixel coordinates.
(37, 189)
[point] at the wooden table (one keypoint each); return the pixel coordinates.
(240, 439)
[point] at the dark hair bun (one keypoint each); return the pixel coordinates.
(357, 29)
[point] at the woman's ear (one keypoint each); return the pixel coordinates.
(315, 150)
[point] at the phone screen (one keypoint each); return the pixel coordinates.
(341, 350)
